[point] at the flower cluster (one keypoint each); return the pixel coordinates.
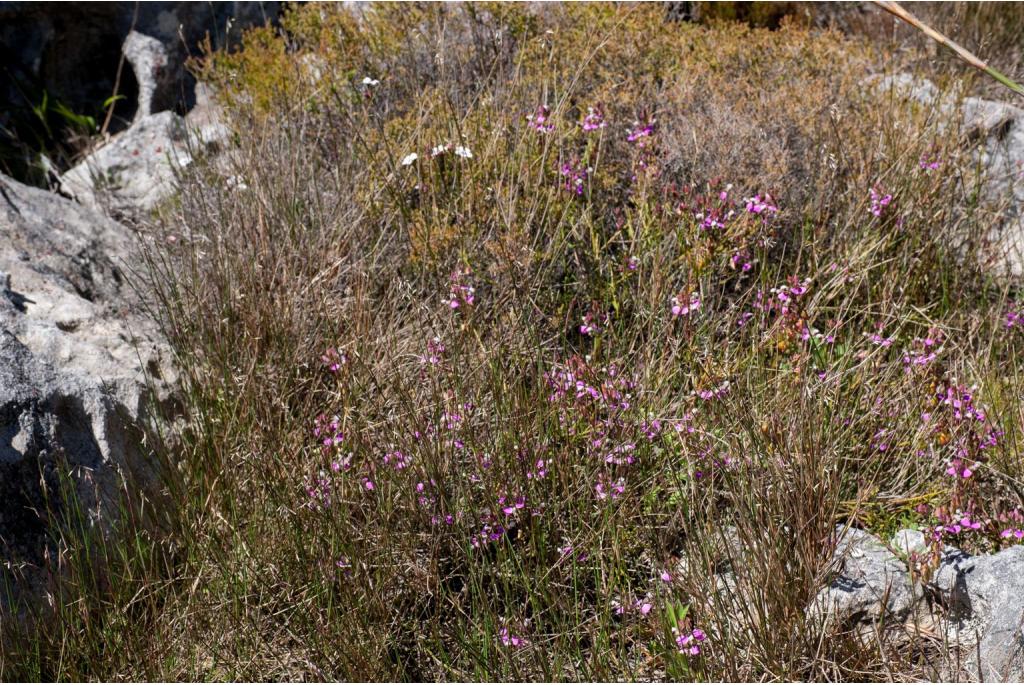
(460, 293)
(689, 642)
(930, 162)
(435, 351)
(510, 640)
(759, 205)
(641, 133)
(541, 120)
(879, 201)
(574, 176)
(1015, 316)
(923, 351)
(594, 119)
(685, 304)
(333, 360)
(593, 322)
(328, 432)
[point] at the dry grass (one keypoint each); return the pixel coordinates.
(312, 235)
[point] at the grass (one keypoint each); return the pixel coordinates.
(507, 495)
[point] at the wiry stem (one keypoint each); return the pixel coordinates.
(897, 10)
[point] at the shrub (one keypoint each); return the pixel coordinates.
(556, 345)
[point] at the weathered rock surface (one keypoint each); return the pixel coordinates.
(977, 601)
(75, 360)
(984, 598)
(998, 128)
(871, 582)
(135, 170)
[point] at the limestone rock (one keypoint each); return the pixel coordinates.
(135, 170)
(75, 361)
(149, 60)
(984, 596)
(871, 582)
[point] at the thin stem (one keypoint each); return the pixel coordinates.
(897, 10)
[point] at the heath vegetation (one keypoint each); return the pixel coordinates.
(556, 343)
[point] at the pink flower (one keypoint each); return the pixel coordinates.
(641, 132)
(879, 201)
(333, 360)
(879, 340)
(575, 176)
(460, 293)
(512, 507)
(757, 205)
(510, 640)
(959, 469)
(613, 490)
(590, 323)
(1014, 316)
(539, 120)
(689, 643)
(684, 305)
(740, 260)
(594, 119)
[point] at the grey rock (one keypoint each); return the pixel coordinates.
(135, 170)
(206, 122)
(1000, 127)
(77, 362)
(908, 86)
(985, 603)
(978, 600)
(908, 541)
(997, 130)
(871, 583)
(149, 60)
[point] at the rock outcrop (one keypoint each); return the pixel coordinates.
(73, 50)
(871, 582)
(997, 131)
(975, 602)
(134, 171)
(77, 362)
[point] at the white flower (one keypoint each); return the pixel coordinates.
(438, 150)
(367, 81)
(409, 158)
(464, 152)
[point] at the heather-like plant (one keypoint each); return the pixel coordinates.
(557, 345)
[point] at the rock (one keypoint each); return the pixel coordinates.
(1001, 156)
(149, 59)
(135, 170)
(871, 582)
(75, 361)
(984, 600)
(73, 51)
(908, 541)
(998, 130)
(978, 600)
(206, 121)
